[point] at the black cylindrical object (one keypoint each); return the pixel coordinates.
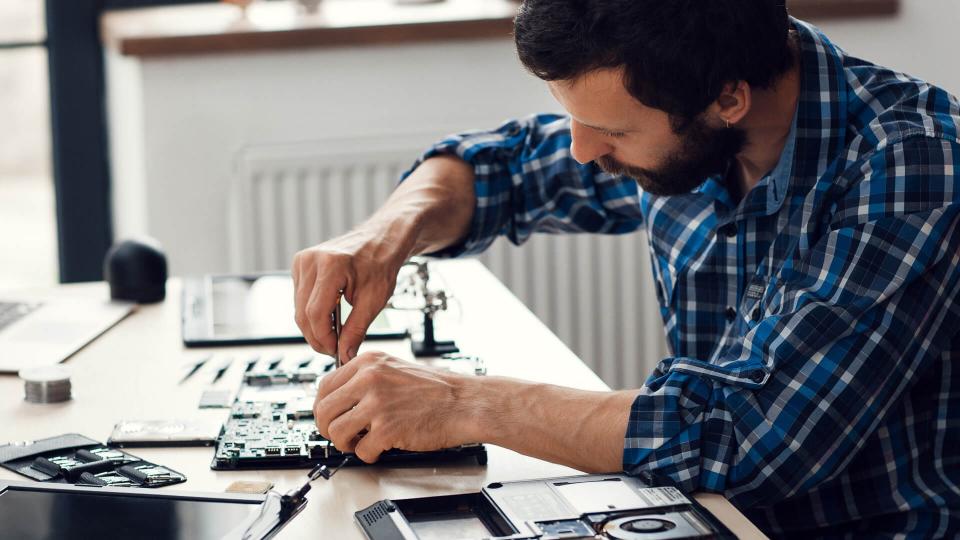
(136, 271)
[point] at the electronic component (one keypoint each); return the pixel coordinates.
(271, 424)
(614, 506)
(149, 475)
(75, 459)
(215, 399)
(193, 368)
(154, 433)
(276, 377)
(275, 363)
(222, 369)
(305, 362)
(281, 435)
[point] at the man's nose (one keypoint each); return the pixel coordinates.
(586, 145)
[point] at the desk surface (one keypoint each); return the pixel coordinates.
(132, 372)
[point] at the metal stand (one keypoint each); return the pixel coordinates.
(433, 302)
(429, 346)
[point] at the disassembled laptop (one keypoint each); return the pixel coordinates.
(271, 424)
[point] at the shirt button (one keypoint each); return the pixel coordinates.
(757, 376)
(755, 315)
(731, 314)
(729, 230)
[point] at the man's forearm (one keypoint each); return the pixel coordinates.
(584, 430)
(432, 209)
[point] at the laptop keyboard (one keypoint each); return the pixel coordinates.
(11, 312)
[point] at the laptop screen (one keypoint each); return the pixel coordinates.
(263, 307)
(29, 515)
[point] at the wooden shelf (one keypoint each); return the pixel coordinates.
(830, 9)
(281, 24)
(219, 28)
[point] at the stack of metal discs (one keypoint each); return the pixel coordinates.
(46, 384)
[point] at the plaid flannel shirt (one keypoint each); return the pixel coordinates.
(813, 326)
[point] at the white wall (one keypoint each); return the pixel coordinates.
(178, 124)
(921, 40)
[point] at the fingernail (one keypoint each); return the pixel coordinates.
(352, 353)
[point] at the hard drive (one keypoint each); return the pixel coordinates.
(159, 433)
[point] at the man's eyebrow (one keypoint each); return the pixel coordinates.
(604, 129)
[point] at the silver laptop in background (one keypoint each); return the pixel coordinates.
(43, 332)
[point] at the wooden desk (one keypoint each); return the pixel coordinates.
(132, 372)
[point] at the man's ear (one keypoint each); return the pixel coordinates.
(733, 104)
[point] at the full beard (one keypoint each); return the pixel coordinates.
(704, 152)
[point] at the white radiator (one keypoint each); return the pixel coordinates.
(595, 292)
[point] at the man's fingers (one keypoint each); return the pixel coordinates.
(339, 399)
(345, 429)
(331, 407)
(295, 271)
(336, 379)
(371, 446)
(321, 303)
(365, 309)
(304, 275)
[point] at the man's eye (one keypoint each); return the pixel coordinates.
(614, 134)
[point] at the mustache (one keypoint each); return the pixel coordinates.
(610, 165)
(703, 152)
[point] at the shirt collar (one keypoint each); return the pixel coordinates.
(779, 178)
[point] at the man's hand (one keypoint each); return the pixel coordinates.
(429, 211)
(378, 402)
(363, 265)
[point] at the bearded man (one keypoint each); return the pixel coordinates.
(802, 210)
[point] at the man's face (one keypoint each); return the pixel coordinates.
(625, 137)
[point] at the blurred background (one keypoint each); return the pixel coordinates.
(238, 137)
(26, 184)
